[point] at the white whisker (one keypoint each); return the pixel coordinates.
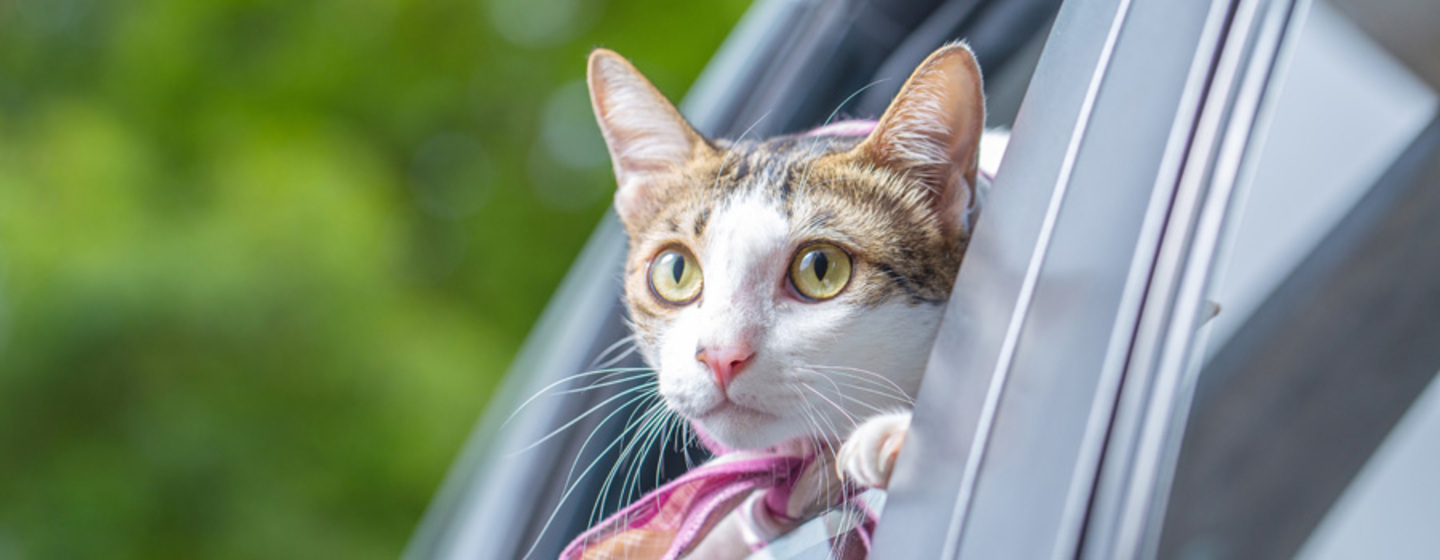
(602, 382)
(628, 339)
(634, 437)
(805, 177)
(649, 432)
(882, 391)
(582, 416)
(567, 379)
(572, 482)
(887, 380)
(724, 160)
(832, 403)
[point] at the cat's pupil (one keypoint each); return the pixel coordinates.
(820, 263)
(678, 268)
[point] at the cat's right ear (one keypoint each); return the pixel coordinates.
(646, 135)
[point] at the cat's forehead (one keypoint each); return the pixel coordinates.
(807, 178)
(768, 162)
(781, 172)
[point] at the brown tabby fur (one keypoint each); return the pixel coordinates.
(899, 245)
(893, 209)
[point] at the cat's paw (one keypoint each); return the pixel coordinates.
(868, 455)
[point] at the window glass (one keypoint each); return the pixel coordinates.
(1309, 433)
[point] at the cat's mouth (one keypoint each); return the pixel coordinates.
(738, 426)
(732, 410)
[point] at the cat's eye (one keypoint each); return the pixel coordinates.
(820, 271)
(675, 276)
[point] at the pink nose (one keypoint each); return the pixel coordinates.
(725, 363)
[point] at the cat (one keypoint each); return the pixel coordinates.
(786, 289)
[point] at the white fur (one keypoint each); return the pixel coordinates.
(745, 257)
(868, 455)
(922, 137)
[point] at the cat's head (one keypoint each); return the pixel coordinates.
(787, 288)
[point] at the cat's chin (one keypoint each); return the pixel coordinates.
(740, 427)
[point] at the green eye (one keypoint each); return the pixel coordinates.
(675, 276)
(820, 271)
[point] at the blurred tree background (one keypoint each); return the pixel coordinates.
(262, 261)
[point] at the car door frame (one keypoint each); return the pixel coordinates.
(1065, 364)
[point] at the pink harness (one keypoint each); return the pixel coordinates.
(845, 128)
(671, 520)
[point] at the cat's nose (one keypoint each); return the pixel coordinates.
(725, 363)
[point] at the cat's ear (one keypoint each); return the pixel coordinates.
(932, 129)
(646, 135)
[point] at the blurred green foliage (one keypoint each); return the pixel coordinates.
(262, 261)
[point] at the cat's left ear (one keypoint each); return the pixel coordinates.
(932, 129)
(646, 135)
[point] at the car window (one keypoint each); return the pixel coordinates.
(517, 490)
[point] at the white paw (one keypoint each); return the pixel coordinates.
(868, 455)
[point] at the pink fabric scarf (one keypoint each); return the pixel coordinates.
(674, 519)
